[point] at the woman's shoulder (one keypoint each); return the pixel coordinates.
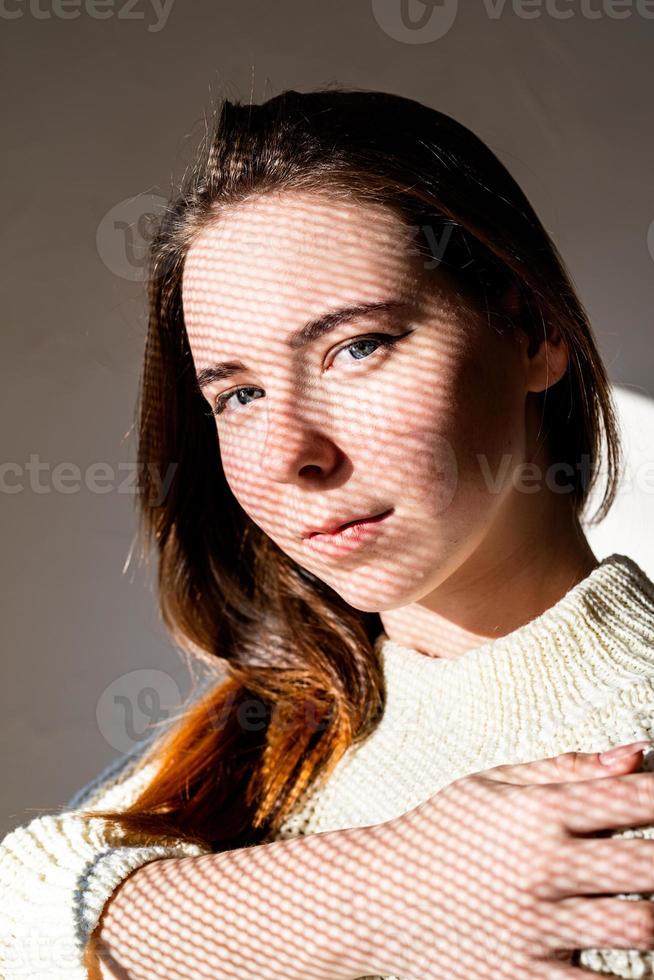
(58, 870)
(115, 779)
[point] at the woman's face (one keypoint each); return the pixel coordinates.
(408, 406)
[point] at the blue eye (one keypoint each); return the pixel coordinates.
(377, 340)
(358, 343)
(222, 400)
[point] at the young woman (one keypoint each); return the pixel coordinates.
(357, 319)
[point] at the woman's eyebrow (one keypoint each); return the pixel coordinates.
(309, 333)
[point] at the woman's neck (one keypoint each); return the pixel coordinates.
(504, 584)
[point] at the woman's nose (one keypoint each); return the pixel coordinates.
(296, 444)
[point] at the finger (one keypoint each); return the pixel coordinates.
(549, 970)
(599, 923)
(599, 867)
(618, 802)
(567, 767)
(553, 971)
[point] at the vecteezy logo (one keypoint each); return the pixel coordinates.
(124, 235)
(136, 705)
(415, 21)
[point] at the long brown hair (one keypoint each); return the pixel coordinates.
(303, 681)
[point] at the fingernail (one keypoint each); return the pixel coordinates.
(621, 752)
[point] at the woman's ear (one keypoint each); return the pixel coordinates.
(546, 361)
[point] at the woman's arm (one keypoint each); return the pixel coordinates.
(56, 874)
(456, 887)
(466, 884)
(298, 909)
(390, 899)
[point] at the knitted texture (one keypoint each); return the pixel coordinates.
(579, 677)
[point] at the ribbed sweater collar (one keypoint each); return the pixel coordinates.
(537, 680)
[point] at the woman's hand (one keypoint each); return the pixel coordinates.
(494, 873)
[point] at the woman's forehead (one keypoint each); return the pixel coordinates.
(281, 258)
(307, 230)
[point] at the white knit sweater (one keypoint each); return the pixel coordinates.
(578, 677)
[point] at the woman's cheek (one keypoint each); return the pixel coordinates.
(241, 480)
(436, 471)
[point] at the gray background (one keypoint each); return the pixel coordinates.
(106, 110)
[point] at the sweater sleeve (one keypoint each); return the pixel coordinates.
(58, 871)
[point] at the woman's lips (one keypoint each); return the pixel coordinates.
(357, 520)
(349, 536)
